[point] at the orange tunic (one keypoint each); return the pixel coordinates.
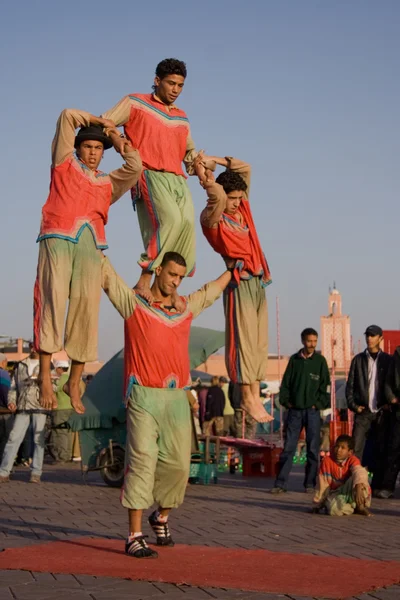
(235, 236)
(76, 201)
(156, 337)
(161, 133)
(78, 196)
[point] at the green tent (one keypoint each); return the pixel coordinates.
(104, 395)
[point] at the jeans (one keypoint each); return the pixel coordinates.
(296, 420)
(21, 424)
(363, 423)
(61, 439)
(6, 423)
(26, 448)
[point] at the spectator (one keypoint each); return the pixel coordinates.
(365, 393)
(392, 393)
(247, 429)
(229, 413)
(7, 408)
(24, 394)
(305, 390)
(202, 399)
(62, 438)
(215, 404)
(343, 483)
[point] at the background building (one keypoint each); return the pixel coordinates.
(335, 335)
(17, 349)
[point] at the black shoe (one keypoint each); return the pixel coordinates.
(161, 530)
(138, 548)
(278, 490)
(309, 490)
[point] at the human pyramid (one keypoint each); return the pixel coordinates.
(73, 268)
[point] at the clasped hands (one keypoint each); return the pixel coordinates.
(204, 166)
(118, 140)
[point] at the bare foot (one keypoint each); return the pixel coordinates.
(363, 511)
(178, 303)
(256, 410)
(144, 292)
(73, 392)
(47, 396)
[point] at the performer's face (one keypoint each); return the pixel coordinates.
(169, 88)
(233, 202)
(91, 153)
(169, 277)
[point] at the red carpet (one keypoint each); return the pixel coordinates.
(252, 570)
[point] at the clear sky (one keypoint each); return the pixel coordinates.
(307, 92)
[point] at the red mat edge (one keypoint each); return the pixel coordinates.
(161, 579)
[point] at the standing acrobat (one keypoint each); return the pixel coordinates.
(160, 131)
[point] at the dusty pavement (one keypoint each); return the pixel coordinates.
(236, 513)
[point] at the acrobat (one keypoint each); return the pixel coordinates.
(228, 225)
(71, 239)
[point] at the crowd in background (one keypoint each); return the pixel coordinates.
(27, 430)
(372, 393)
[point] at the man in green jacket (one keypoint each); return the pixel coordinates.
(305, 390)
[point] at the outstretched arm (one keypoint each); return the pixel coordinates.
(119, 113)
(216, 197)
(233, 164)
(127, 176)
(64, 140)
(207, 295)
(190, 155)
(118, 292)
(216, 204)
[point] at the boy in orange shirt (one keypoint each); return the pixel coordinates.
(343, 487)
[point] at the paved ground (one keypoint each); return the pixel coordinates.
(237, 513)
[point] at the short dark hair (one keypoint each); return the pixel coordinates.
(346, 439)
(308, 331)
(231, 182)
(171, 66)
(173, 257)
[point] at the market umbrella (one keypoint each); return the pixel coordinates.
(103, 398)
(202, 375)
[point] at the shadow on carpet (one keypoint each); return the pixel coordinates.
(229, 568)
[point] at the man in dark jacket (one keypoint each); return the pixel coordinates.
(305, 390)
(215, 404)
(365, 394)
(392, 395)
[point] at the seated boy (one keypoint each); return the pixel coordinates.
(343, 487)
